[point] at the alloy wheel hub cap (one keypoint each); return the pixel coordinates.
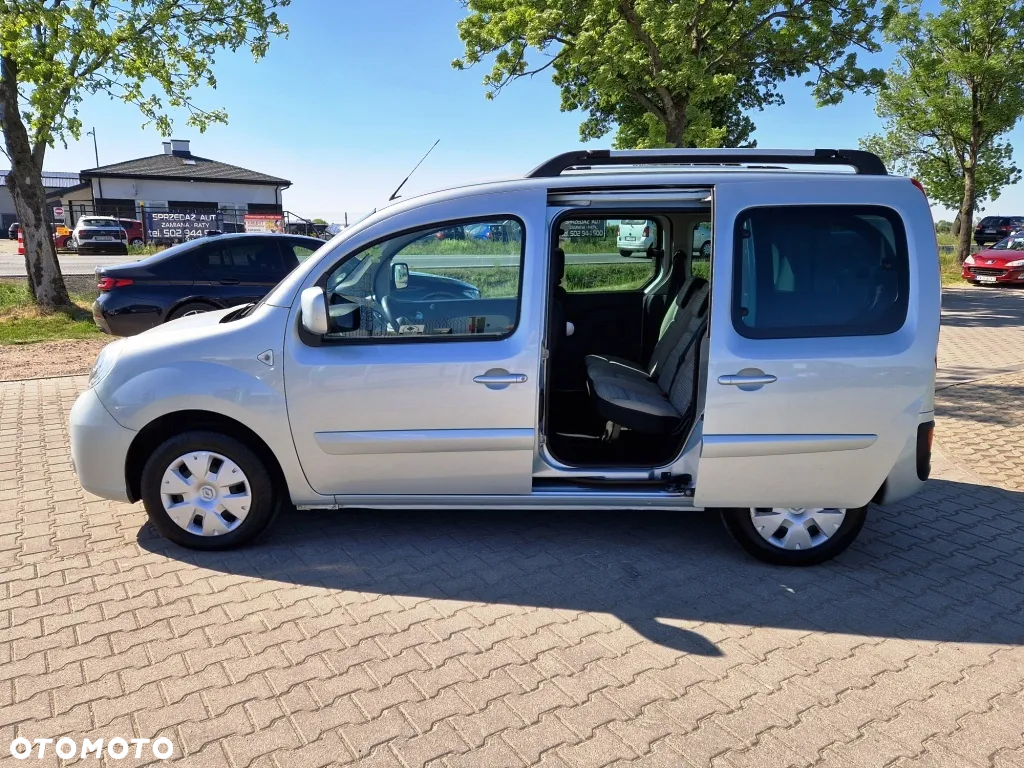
(205, 493)
(796, 528)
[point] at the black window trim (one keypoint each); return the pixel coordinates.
(323, 341)
(820, 332)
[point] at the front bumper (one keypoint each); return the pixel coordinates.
(99, 448)
(1011, 276)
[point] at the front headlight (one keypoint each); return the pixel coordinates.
(104, 363)
(969, 260)
(1017, 263)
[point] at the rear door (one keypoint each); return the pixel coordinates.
(824, 327)
(242, 269)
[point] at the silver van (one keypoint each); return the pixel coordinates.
(788, 381)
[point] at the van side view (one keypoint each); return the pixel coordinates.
(787, 381)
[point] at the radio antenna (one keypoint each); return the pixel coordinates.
(395, 193)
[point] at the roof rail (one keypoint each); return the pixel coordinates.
(863, 162)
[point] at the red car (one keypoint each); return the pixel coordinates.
(1003, 263)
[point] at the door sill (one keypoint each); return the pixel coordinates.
(562, 496)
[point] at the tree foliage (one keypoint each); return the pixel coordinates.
(680, 73)
(150, 53)
(956, 88)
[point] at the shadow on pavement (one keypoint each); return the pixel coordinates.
(982, 306)
(944, 566)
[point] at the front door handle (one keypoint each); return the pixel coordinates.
(748, 379)
(499, 378)
(229, 281)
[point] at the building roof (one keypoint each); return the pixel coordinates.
(51, 179)
(183, 167)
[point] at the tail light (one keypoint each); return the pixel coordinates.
(110, 283)
(920, 186)
(647, 231)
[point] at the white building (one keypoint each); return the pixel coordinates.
(175, 180)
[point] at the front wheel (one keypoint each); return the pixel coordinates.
(206, 490)
(794, 536)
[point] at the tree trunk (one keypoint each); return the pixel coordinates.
(25, 182)
(966, 216)
(954, 230)
(674, 133)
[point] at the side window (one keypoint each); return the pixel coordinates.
(301, 251)
(241, 259)
(820, 271)
(701, 264)
(609, 254)
(457, 281)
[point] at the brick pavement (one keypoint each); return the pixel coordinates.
(471, 639)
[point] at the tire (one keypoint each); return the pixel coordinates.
(221, 518)
(705, 250)
(136, 241)
(625, 254)
(740, 523)
(191, 308)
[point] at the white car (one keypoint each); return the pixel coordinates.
(702, 240)
(789, 390)
(635, 236)
(99, 234)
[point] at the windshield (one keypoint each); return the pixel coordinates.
(1014, 243)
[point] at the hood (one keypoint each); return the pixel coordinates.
(190, 325)
(991, 258)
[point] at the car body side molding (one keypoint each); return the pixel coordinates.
(421, 440)
(737, 446)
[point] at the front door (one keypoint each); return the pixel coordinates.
(822, 343)
(427, 383)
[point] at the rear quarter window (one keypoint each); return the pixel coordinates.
(819, 271)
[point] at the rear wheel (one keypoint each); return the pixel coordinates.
(137, 241)
(624, 253)
(192, 308)
(206, 490)
(794, 536)
(705, 251)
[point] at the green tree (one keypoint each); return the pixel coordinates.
(320, 221)
(677, 74)
(956, 88)
(151, 53)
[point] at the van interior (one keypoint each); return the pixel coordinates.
(626, 325)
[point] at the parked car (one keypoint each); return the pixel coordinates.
(1002, 264)
(12, 231)
(99, 234)
(635, 236)
(702, 241)
(212, 273)
(789, 390)
(133, 230)
(992, 229)
(62, 237)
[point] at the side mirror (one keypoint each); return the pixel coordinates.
(400, 275)
(313, 305)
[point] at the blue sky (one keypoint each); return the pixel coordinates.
(359, 91)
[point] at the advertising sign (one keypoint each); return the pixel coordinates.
(585, 229)
(264, 222)
(180, 226)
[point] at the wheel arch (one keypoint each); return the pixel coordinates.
(214, 305)
(177, 422)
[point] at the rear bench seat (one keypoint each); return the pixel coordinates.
(672, 325)
(655, 402)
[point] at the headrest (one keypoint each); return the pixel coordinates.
(558, 264)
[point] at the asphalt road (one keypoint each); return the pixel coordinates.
(13, 265)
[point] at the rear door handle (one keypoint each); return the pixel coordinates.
(229, 281)
(748, 379)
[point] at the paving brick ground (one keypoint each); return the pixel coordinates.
(470, 639)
